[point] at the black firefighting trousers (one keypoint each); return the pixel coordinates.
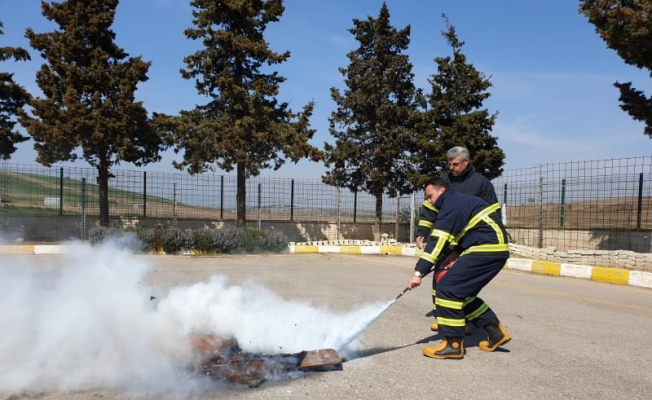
(457, 292)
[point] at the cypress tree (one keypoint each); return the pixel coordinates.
(375, 116)
(455, 116)
(12, 98)
(626, 27)
(243, 126)
(88, 110)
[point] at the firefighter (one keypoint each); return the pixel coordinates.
(463, 175)
(469, 237)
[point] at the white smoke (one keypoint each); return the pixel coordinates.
(88, 323)
(260, 320)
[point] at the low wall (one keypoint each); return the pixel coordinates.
(599, 258)
(605, 248)
(597, 239)
(60, 228)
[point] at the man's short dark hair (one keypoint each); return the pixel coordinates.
(437, 182)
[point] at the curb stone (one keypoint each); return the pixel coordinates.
(617, 276)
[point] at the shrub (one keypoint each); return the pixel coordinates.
(203, 241)
(98, 234)
(227, 239)
(148, 237)
(275, 240)
(176, 240)
(124, 239)
(253, 240)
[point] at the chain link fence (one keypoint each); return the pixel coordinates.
(608, 201)
(574, 198)
(40, 191)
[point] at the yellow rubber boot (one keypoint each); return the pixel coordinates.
(497, 335)
(448, 348)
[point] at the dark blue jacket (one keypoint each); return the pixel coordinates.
(473, 183)
(466, 224)
(470, 182)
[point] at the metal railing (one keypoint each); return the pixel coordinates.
(612, 194)
(598, 194)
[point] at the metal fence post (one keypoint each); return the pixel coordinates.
(503, 209)
(292, 200)
(398, 217)
(355, 206)
(259, 205)
(541, 211)
(174, 204)
(639, 211)
(83, 209)
(61, 191)
(338, 213)
(412, 212)
(144, 193)
(221, 196)
(563, 202)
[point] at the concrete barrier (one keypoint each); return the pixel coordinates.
(617, 276)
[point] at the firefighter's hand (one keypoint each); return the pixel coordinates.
(419, 242)
(414, 282)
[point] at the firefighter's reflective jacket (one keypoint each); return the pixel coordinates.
(466, 224)
(470, 182)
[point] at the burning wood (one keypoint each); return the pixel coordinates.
(225, 360)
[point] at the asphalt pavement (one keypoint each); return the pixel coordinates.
(571, 338)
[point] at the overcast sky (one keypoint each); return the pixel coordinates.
(552, 75)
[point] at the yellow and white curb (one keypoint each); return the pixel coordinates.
(40, 249)
(617, 276)
(355, 249)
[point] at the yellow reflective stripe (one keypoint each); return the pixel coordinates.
(428, 257)
(496, 228)
(468, 300)
(482, 215)
(429, 206)
(478, 312)
(452, 304)
(425, 223)
(451, 322)
(442, 234)
(434, 294)
(486, 248)
(439, 246)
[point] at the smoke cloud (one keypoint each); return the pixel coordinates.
(88, 323)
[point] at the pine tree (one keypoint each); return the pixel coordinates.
(626, 27)
(88, 110)
(375, 116)
(243, 127)
(12, 98)
(455, 117)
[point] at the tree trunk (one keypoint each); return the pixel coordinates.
(241, 195)
(378, 222)
(103, 186)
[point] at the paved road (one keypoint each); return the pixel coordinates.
(572, 338)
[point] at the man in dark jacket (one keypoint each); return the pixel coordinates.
(464, 177)
(468, 233)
